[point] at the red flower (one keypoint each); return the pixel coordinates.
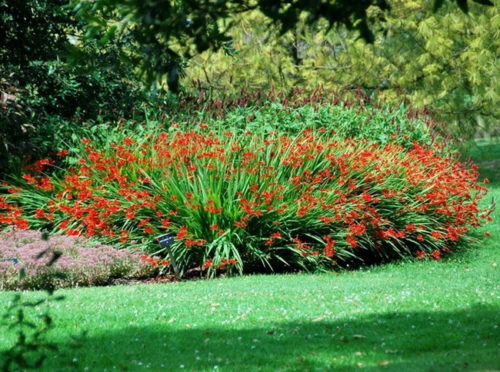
(352, 241)
(72, 232)
(328, 250)
(437, 235)
(144, 221)
(207, 264)
(29, 178)
(357, 229)
(436, 255)
(420, 254)
(182, 233)
(240, 224)
(410, 228)
(39, 213)
(123, 236)
(150, 260)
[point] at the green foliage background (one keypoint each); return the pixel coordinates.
(446, 61)
(45, 95)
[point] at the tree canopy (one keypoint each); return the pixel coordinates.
(162, 34)
(445, 60)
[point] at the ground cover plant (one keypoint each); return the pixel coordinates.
(80, 262)
(241, 202)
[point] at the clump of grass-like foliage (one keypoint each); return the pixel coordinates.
(241, 201)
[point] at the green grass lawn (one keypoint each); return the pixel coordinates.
(419, 316)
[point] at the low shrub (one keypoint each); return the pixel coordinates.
(245, 202)
(81, 263)
(44, 96)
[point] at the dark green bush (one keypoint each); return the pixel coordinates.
(45, 94)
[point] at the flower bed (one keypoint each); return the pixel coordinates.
(240, 202)
(81, 263)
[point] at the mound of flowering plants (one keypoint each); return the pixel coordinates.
(251, 203)
(80, 264)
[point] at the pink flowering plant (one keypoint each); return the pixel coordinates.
(82, 262)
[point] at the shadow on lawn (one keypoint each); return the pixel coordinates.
(409, 341)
